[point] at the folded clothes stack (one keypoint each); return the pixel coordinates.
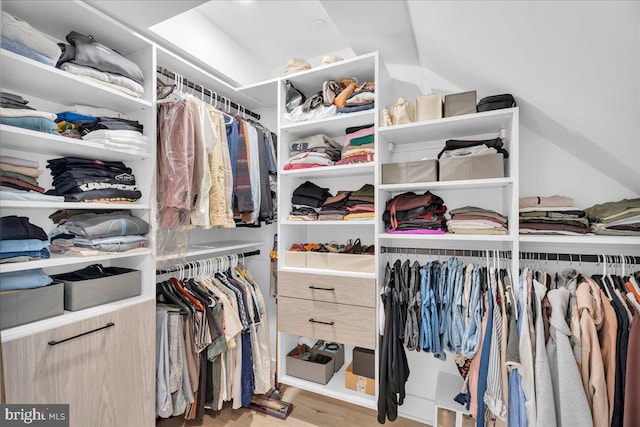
(411, 213)
(112, 132)
(14, 111)
(91, 233)
(86, 180)
(21, 240)
(474, 220)
(358, 145)
(87, 58)
(306, 201)
(21, 38)
(349, 205)
(313, 151)
(361, 99)
(25, 279)
(19, 181)
(621, 218)
(551, 215)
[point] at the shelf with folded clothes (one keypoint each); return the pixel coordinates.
(57, 260)
(321, 222)
(437, 130)
(329, 125)
(16, 138)
(30, 77)
(449, 237)
(596, 242)
(20, 204)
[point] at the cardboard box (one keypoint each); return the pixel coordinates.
(458, 104)
(402, 173)
(478, 167)
(364, 362)
(337, 355)
(310, 371)
(358, 383)
(83, 294)
(25, 306)
(429, 107)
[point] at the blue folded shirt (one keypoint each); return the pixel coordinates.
(22, 245)
(27, 279)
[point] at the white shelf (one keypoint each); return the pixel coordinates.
(449, 237)
(266, 92)
(325, 271)
(355, 169)
(310, 81)
(338, 223)
(216, 248)
(48, 82)
(15, 138)
(70, 205)
(58, 260)
(69, 317)
(334, 388)
(587, 239)
(489, 122)
(468, 184)
(331, 126)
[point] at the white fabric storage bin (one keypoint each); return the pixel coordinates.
(352, 262)
(317, 260)
(477, 167)
(28, 305)
(402, 173)
(429, 107)
(295, 259)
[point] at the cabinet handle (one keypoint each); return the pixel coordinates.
(319, 321)
(321, 289)
(108, 325)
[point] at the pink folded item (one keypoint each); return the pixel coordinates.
(363, 158)
(16, 161)
(302, 166)
(438, 231)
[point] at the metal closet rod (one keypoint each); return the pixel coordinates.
(176, 267)
(525, 256)
(226, 101)
(439, 252)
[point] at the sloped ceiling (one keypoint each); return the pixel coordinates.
(573, 66)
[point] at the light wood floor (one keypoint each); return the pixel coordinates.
(309, 410)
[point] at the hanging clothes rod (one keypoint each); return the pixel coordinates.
(177, 267)
(208, 92)
(441, 252)
(525, 256)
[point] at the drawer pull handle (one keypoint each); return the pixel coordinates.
(321, 289)
(108, 325)
(312, 320)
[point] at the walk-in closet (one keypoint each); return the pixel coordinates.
(320, 213)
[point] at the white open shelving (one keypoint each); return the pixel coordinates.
(51, 83)
(330, 125)
(18, 204)
(221, 247)
(468, 184)
(354, 169)
(331, 223)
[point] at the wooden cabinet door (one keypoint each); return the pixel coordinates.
(106, 375)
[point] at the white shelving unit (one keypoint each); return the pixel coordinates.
(341, 177)
(51, 89)
(221, 247)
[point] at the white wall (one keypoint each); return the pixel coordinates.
(199, 37)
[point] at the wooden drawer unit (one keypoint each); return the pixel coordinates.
(327, 288)
(103, 367)
(347, 324)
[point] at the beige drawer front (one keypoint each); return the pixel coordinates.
(347, 324)
(335, 289)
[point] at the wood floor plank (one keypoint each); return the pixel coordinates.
(310, 410)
